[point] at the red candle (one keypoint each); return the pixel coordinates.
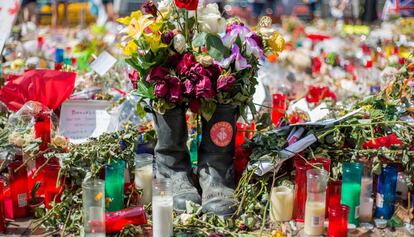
(240, 134)
(338, 221)
(18, 189)
(300, 183)
(43, 128)
(52, 188)
(2, 221)
(116, 221)
(279, 107)
(334, 194)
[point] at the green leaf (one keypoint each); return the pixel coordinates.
(207, 109)
(145, 90)
(216, 47)
(199, 40)
(140, 110)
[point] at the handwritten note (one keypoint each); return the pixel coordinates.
(103, 63)
(8, 13)
(80, 120)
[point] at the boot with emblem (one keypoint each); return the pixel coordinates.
(172, 156)
(215, 161)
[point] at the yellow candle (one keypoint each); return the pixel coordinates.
(314, 218)
(281, 200)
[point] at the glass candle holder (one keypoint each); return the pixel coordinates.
(351, 189)
(366, 202)
(162, 208)
(278, 108)
(52, 186)
(241, 133)
(281, 203)
(43, 129)
(338, 221)
(386, 188)
(18, 189)
(94, 207)
(2, 215)
(317, 180)
(144, 175)
(116, 221)
(114, 185)
(334, 193)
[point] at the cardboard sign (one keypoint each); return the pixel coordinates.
(103, 63)
(8, 13)
(80, 120)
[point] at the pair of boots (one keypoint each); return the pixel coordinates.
(215, 159)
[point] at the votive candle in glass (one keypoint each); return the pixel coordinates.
(162, 208)
(281, 203)
(386, 189)
(317, 180)
(278, 108)
(43, 128)
(366, 202)
(144, 175)
(93, 198)
(2, 215)
(351, 189)
(241, 133)
(338, 221)
(18, 189)
(116, 221)
(114, 185)
(53, 186)
(334, 194)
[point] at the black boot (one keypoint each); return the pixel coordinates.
(172, 156)
(215, 161)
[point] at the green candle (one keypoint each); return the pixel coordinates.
(351, 189)
(114, 185)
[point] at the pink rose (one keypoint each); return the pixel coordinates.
(226, 82)
(186, 63)
(160, 89)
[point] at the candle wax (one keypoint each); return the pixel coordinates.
(162, 216)
(281, 204)
(365, 210)
(314, 218)
(143, 180)
(351, 197)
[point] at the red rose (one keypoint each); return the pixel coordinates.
(190, 5)
(186, 63)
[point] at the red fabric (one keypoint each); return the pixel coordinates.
(49, 87)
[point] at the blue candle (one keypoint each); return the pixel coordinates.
(386, 189)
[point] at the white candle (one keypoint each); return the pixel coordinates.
(143, 180)
(281, 200)
(366, 187)
(365, 210)
(314, 218)
(162, 216)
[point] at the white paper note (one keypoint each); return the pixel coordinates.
(103, 63)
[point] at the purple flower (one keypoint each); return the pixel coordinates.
(167, 37)
(253, 48)
(237, 57)
(204, 89)
(226, 82)
(160, 89)
(157, 73)
(257, 38)
(234, 31)
(149, 8)
(175, 94)
(189, 88)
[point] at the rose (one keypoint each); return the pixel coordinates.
(190, 5)
(194, 106)
(186, 63)
(189, 88)
(204, 88)
(173, 60)
(150, 8)
(60, 141)
(160, 89)
(167, 37)
(197, 72)
(215, 71)
(179, 43)
(205, 60)
(175, 94)
(226, 82)
(210, 19)
(157, 73)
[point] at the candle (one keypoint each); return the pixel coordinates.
(334, 193)
(162, 208)
(116, 221)
(93, 198)
(144, 176)
(338, 221)
(278, 108)
(351, 189)
(365, 210)
(386, 189)
(18, 189)
(114, 185)
(52, 186)
(281, 201)
(315, 202)
(402, 188)
(2, 219)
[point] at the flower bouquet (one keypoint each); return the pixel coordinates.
(188, 55)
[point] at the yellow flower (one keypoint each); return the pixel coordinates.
(276, 43)
(154, 41)
(129, 48)
(137, 26)
(134, 15)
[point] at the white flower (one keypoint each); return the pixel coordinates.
(164, 5)
(179, 43)
(205, 60)
(210, 19)
(60, 141)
